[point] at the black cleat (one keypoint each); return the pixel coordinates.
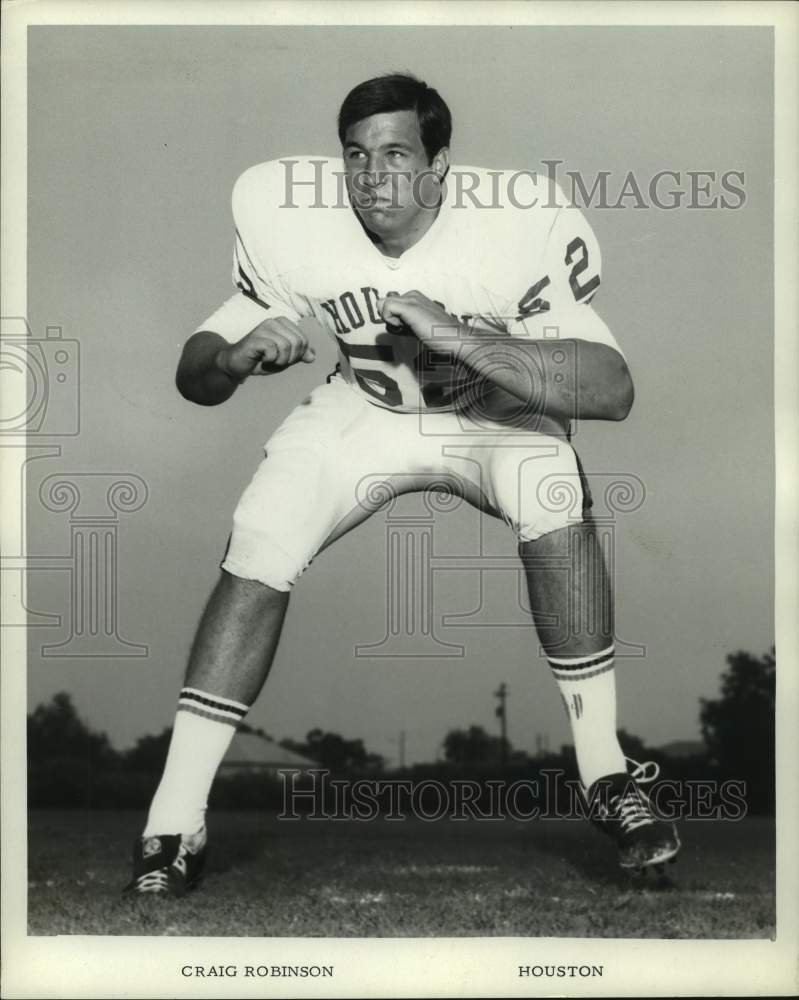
(168, 865)
(621, 809)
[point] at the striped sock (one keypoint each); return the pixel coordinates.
(204, 726)
(211, 706)
(588, 687)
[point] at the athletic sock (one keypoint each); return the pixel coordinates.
(205, 724)
(588, 687)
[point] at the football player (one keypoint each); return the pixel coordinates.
(467, 342)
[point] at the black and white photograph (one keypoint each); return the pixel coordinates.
(399, 488)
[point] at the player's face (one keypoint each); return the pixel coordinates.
(392, 186)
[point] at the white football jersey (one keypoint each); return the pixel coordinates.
(488, 259)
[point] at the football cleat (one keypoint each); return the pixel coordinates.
(622, 810)
(167, 865)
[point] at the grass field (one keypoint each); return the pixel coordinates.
(273, 878)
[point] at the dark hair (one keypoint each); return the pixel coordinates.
(399, 92)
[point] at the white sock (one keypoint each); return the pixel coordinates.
(588, 687)
(205, 724)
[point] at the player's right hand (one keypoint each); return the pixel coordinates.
(272, 346)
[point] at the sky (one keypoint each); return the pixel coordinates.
(136, 136)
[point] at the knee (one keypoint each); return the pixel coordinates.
(559, 540)
(250, 592)
(539, 493)
(255, 556)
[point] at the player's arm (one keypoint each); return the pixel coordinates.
(256, 331)
(564, 378)
(561, 355)
(211, 369)
(557, 356)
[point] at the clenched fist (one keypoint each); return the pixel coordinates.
(272, 346)
(426, 318)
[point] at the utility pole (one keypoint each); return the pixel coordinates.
(502, 693)
(402, 750)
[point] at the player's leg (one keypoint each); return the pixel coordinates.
(230, 658)
(573, 612)
(572, 604)
(532, 481)
(305, 492)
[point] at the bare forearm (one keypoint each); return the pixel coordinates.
(563, 379)
(201, 377)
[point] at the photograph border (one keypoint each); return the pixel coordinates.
(82, 966)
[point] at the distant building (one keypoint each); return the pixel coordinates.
(251, 753)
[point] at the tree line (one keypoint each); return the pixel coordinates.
(70, 765)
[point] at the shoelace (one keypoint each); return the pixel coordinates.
(632, 810)
(157, 881)
(643, 773)
(633, 807)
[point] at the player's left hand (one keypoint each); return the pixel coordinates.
(426, 318)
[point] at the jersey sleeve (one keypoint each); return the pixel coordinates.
(558, 304)
(261, 293)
